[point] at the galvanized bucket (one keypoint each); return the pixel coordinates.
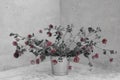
(59, 65)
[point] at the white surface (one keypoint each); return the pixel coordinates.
(43, 72)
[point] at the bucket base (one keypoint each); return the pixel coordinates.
(59, 74)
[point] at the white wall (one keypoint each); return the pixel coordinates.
(102, 13)
(23, 17)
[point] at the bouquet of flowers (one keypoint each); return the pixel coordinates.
(88, 41)
(85, 42)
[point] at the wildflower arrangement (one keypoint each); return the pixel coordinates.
(85, 41)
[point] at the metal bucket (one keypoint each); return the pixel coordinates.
(59, 65)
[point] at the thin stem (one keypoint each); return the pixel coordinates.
(102, 48)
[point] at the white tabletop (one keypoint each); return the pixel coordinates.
(43, 72)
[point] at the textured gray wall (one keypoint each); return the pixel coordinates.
(23, 17)
(102, 13)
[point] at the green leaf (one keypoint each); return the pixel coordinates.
(104, 52)
(86, 54)
(79, 44)
(11, 34)
(35, 53)
(15, 36)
